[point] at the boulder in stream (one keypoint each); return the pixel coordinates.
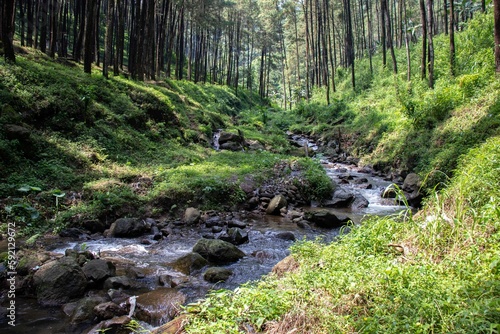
(277, 203)
(117, 282)
(341, 198)
(97, 271)
(411, 188)
(217, 274)
(127, 228)
(57, 282)
(108, 310)
(84, 309)
(234, 235)
(359, 202)
(191, 216)
(159, 306)
(189, 263)
(326, 218)
(218, 251)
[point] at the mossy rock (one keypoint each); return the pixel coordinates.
(218, 251)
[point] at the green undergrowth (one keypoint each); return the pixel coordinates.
(395, 124)
(435, 272)
(77, 148)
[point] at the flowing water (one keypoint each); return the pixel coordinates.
(264, 249)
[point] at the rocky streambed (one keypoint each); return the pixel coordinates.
(147, 269)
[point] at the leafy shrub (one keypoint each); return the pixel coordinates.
(317, 184)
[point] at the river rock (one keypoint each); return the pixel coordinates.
(236, 223)
(95, 225)
(288, 264)
(359, 202)
(172, 327)
(341, 199)
(277, 203)
(192, 216)
(115, 324)
(99, 270)
(218, 251)
(254, 145)
(117, 282)
(304, 224)
(213, 221)
(127, 228)
(217, 274)
(108, 310)
(216, 229)
(231, 146)
(27, 261)
(84, 310)
(285, 235)
(73, 232)
(411, 188)
(234, 235)
(411, 183)
(226, 137)
(189, 263)
(158, 306)
(157, 235)
(57, 282)
(118, 296)
(325, 218)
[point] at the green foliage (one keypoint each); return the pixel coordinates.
(213, 182)
(316, 184)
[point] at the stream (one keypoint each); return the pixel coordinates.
(149, 259)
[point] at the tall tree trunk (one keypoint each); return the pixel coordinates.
(430, 30)
(88, 51)
(407, 44)
(496, 14)
(452, 37)
(22, 19)
(31, 20)
(423, 18)
(79, 29)
(370, 34)
(262, 73)
(389, 36)
(383, 30)
(349, 42)
(108, 42)
(54, 11)
(119, 38)
(43, 25)
(7, 29)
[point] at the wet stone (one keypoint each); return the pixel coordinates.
(117, 282)
(217, 274)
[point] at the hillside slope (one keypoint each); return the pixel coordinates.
(78, 147)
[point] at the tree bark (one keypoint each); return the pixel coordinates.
(423, 18)
(430, 33)
(7, 29)
(89, 37)
(496, 15)
(452, 38)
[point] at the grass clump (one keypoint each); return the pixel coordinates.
(437, 271)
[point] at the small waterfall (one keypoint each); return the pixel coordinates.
(215, 140)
